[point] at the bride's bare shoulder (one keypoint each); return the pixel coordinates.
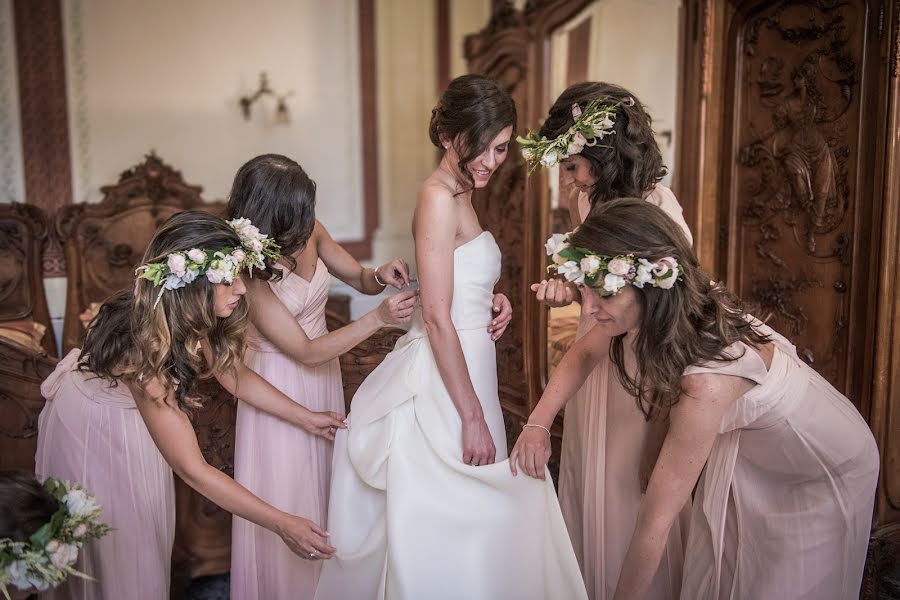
(434, 188)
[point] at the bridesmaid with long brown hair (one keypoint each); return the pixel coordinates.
(783, 465)
(116, 418)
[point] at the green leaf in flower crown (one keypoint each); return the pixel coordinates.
(570, 253)
(42, 536)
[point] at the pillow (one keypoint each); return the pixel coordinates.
(25, 332)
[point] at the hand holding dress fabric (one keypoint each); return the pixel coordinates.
(478, 446)
(305, 538)
(395, 273)
(397, 309)
(531, 453)
(324, 424)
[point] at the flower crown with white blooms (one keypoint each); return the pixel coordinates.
(591, 125)
(220, 266)
(609, 274)
(46, 559)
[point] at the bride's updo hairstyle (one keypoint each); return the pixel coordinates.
(472, 111)
(138, 336)
(277, 195)
(692, 322)
(627, 164)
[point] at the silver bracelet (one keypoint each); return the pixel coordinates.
(536, 425)
(378, 281)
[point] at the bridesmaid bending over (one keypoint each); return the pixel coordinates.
(787, 467)
(116, 418)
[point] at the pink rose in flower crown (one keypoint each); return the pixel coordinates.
(196, 255)
(256, 245)
(239, 255)
(618, 266)
(663, 266)
(177, 264)
(577, 144)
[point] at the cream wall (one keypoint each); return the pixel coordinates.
(405, 39)
(636, 46)
(167, 75)
(12, 178)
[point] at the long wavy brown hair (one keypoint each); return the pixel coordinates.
(132, 341)
(627, 164)
(693, 322)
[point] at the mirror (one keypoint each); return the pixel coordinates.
(635, 44)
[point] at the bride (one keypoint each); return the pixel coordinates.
(417, 507)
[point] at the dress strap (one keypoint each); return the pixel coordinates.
(747, 364)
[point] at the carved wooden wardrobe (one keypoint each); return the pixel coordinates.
(788, 167)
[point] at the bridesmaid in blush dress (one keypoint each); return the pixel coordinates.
(116, 418)
(787, 467)
(291, 348)
(609, 445)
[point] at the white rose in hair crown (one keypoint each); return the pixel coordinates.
(219, 266)
(608, 274)
(46, 559)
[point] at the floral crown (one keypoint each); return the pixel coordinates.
(46, 559)
(219, 266)
(591, 125)
(608, 273)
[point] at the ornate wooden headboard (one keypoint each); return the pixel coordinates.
(23, 231)
(23, 234)
(104, 242)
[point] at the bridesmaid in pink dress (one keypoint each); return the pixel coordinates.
(608, 444)
(783, 508)
(116, 418)
(292, 349)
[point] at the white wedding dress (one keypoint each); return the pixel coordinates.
(409, 519)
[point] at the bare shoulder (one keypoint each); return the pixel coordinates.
(435, 207)
(710, 389)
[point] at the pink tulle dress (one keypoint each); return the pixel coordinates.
(599, 483)
(279, 462)
(91, 433)
(784, 506)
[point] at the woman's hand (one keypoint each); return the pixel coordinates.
(397, 308)
(478, 446)
(503, 308)
(555, 293)
(531, 452)
(323, 424)
(305, 538)
(395, 273)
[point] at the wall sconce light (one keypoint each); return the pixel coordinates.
(282, 114)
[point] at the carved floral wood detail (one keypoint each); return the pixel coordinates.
(797, 125)
(105, 242)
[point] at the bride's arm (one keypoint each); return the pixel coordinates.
(435, 228)
(532, 449)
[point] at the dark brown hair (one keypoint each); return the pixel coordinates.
(277, 195)
(25, 506)
(132, 339)
(472, 111)
(693, 322)
(628, 164)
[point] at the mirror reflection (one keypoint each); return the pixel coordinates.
(633, 44)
